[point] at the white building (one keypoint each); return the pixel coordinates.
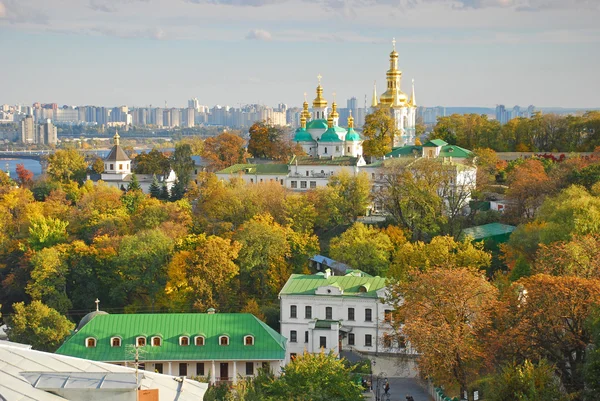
(336, 313)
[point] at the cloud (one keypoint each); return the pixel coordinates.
(150, 33)
(240, 3)
(16, 13)
(258, 34)
(110, 6)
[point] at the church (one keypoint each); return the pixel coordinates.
(321, 136)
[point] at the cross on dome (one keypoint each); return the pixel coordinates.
(305, 96)
(319, 78)
(97, 301)
(394, 43)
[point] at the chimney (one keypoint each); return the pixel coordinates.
(327, 273)
(211, 311)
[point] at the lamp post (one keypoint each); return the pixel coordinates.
(373, 363)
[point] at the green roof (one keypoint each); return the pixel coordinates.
(256, 169)
(455, 151)
(435, 143)
(302, 136)
(317, 124)
(352, 136)
(408, 150)
(330, 136)
(315, 161)
(488, 231)
(268, 344)
(445, 151)
(302, 284)
(325, 324)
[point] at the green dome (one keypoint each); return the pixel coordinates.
(317, 124)
(352, 136)
(302, 136)
(330, 136)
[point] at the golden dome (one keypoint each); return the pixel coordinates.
(319, 101)
(334, 113)
(393, 96)
(350, 120)
(330, 121)
(305, 111)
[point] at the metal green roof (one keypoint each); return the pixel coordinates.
(435, 143)
(325, 324)
(317, 124)
(408, 150)
(256, 169)
(302, 284)
(352, 136)
(455, 151)
(488, 231)
(268, 344)
(315, 161)
(330, 136)
(236, 168)
(302, 136)
(446, 151)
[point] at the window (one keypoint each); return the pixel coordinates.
(294, 184)
(224, 340)
(158, 367)
(249, 368)
(368, 340)
(183, 369)
(368, 315)
(350, 338)
(248, 340)
(328, 313)
(372, 176)
(293, 336)
(313, 184)
(156, 341)
(105, 166)
(200, 369)
(112, 166)
(120, 166)
(350, 313)
(90, 342)
(115, 342)
(307, 173)
(387, 315)
(322, 342)
(337, 148)
(293, 311)
(306, 336)
(251, 180)
(322, 171)
(302, 184)
(348, 149)
(308, 312)
(199, 340)
(261, 180)
(184, 341)
(141, 341)
(325, 150)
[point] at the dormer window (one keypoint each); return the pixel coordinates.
(199, 340)
(115, 341)
(140, 341)
(156, 341)
(90, 342)
(249, 340)
(223, 340)
(184, 341)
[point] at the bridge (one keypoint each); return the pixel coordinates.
(38, 155)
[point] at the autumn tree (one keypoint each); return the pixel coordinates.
(379, 131)
(528, 187)
(300, 213)
(182, 163)
(66, 165)
(469, 131)
(46, 232)
(154, 162)
(24, 176)
(579, 257)
(97, 166)
(39, 325)
(48, 282)
(195, 143)
(223, 151)
(443, 312)
(268, 141)
(363, 247)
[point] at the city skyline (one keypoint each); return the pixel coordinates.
(460, 53)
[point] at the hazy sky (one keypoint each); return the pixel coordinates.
(143, 52)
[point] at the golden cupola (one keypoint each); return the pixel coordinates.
(305, 112)
(319, 101)
(393, 96)
(334, 113)
(350, 120)
(330, 121)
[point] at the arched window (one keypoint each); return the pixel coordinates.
(249, 340)
(199, 340)
(140, 341)
(90, 342)
(325, 150)
(156, 341)
(115, 341)
(223, 340)
(184, 341)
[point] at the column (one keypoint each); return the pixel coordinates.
(213, 376)
(170, 372)
(234, 372)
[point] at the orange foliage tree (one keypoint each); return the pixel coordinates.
(529, 184)
(223, 151)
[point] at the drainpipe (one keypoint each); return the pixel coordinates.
(377, 327)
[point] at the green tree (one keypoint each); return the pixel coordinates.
(316, 377)
(153, 162)
(300, 213)
(363, 247)
(67, 165)
(134, 184)
(155, 188)
(164, 192)
(353, 192)
(379, 131)
(39, 325)
(97, 166)
(46, 232)
(177, 191)
(48, 282)
(182, 163)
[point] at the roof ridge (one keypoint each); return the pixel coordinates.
(281, 340)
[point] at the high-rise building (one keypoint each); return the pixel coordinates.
(28, 130)
(194, 104)
(47, 133)
(188, 117)
(503, 116)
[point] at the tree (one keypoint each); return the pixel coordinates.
(46, 232)
(24, 176)
(316, 377)
(524, 382)
(67, 165)
(300, 213)
(363, 247)
(353, 192)
(223, 151)
(253, 308)
(134, 184)
(153, 162)
(98, 165)
(195, 143)
(379, 131)
(267, 141)
(48, 282)
(443, 312)
(579, 257)
(39, 325)
(528, 186)
(164, 192)
(154, 188)
(182, 163)
(469, 131)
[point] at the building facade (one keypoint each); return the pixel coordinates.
(219, 347)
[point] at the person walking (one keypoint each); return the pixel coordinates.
(387, 387)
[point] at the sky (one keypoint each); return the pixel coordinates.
(232, 52)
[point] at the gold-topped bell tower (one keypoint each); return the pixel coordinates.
(319, 104)
(393, 96)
